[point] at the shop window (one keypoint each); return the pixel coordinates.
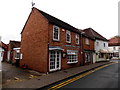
(72, 57)
(87, 57)
(101, 55)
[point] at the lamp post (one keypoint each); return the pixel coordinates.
(81, 48)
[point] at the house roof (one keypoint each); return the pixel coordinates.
(3, 45)
(57, 22)
(115, 41)
(93, 34)
(14, 44)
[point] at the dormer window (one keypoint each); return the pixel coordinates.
(77, 39)
(68, 37)
(56, 33)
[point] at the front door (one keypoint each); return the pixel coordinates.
(54, 60)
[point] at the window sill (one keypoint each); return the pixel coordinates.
(17, 58)
(72, 62)
(56, 40)
(77, 43)
(88, 45)
(68, 42)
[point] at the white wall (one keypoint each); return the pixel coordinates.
(1, 54)
(116, 48)
(119, 52)
(0, 49)
(101, 45)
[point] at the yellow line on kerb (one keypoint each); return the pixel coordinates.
(76, 78)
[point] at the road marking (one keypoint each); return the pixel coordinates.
(77, 77)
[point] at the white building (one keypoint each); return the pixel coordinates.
(1, 51)
(114, 44)
(103, 53)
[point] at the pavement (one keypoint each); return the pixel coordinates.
(50, 78)
(12, 74)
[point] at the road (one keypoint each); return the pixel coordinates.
(106, 77)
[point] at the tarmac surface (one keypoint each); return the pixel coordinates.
(41, 80)
(102, 77)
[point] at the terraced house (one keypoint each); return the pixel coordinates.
(114, 44)
(49, 44)
(13, 52)
(101, 50)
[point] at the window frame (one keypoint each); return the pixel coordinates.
(77, 37)
(54, 26)
(17, 54)
(74, 57)
(87, 42)
(104, 44)
(97, 43)
(68, 32)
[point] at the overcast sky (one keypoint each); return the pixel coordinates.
(101, 15)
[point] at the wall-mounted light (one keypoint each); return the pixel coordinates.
(63, 30)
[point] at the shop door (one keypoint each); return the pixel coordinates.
(54, 60)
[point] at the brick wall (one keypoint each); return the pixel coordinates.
(34, 42)
(62, 43)
(90, 46)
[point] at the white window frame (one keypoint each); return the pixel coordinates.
(87, 41)
(68, 32)
(8, 56)
(97, 43)
(54, 26)
(73, 54)
(21, 56)
(16, 55)
(77, 37)
(54, 69)
(17, 51)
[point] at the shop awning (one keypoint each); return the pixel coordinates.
(105, 51)
(55, 48)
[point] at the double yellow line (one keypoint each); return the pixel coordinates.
(76, 78)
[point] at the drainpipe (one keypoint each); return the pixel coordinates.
(48, 50)
(82, 63)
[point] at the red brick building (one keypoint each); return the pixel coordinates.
(88, 49)
(49, 44)
(13, 50)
